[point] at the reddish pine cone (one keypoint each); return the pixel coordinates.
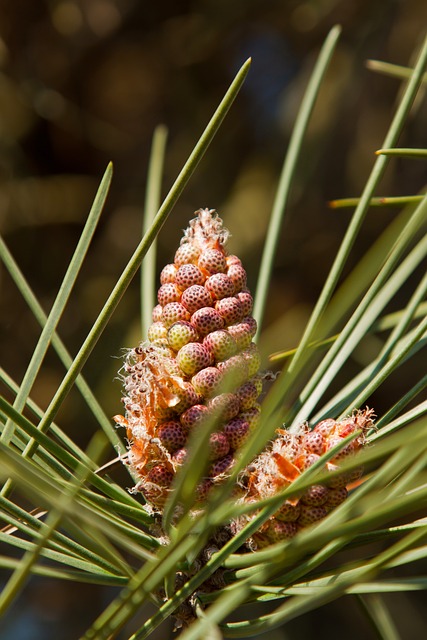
(283, 462)
(200, 339)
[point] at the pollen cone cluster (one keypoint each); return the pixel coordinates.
(199, 343)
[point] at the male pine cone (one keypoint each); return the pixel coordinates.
(202, 335)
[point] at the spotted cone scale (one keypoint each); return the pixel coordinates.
(203, 331)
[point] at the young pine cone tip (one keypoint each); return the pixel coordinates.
(200, 339)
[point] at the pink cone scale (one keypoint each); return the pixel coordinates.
(186, 254)
(252, 415)
(157, 313)
(221, 344)
(168, 292)
(225, 405)
(221, 466)
(288, 512)
(171, 435)
(196, 297)
(248, 394)
(235, 369)
(157, 331)
(230, 309)
(212, 261)
(247, 302)
(236, 431)
(188, 275)
(238, 275)
(278, 530)
(335, 497)
(316, 495)
(252, 359)
(218, 445)
(220, 286)
(180, 333)
(192, 357)
(168, 273)
(187, 397)
(207, 381)
(206, 320)
(242, 333)
(233, 260)
(179, 456)
(193, 416)
(199, 369)
(172, 312)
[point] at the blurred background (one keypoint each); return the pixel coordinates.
(83, 82)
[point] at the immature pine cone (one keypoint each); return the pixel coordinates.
(202, 331)
(283, 462)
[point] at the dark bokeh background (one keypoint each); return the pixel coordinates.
(85, 82)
